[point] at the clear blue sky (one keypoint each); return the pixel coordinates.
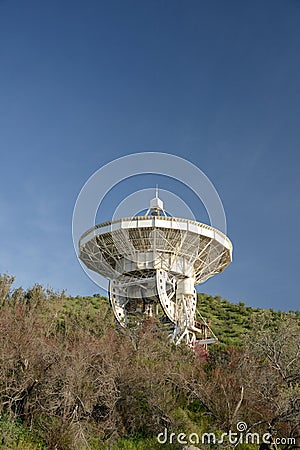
(215, 82)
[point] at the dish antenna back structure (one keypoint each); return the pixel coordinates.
(153, 263)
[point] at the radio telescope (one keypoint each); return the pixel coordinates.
(153, 263)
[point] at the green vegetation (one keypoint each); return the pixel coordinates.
(232, 321)
(70, 380)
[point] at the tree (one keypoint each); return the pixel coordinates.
(272, 373)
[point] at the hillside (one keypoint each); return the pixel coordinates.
(69, 380)
(229, 321)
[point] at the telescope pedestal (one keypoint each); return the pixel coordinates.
(170, 299)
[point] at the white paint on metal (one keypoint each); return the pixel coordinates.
(156, 260)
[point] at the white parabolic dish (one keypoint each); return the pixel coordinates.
(140, 243)
(153, 263)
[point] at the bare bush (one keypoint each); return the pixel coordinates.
(66, 372)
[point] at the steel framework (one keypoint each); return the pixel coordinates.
(153, 263)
